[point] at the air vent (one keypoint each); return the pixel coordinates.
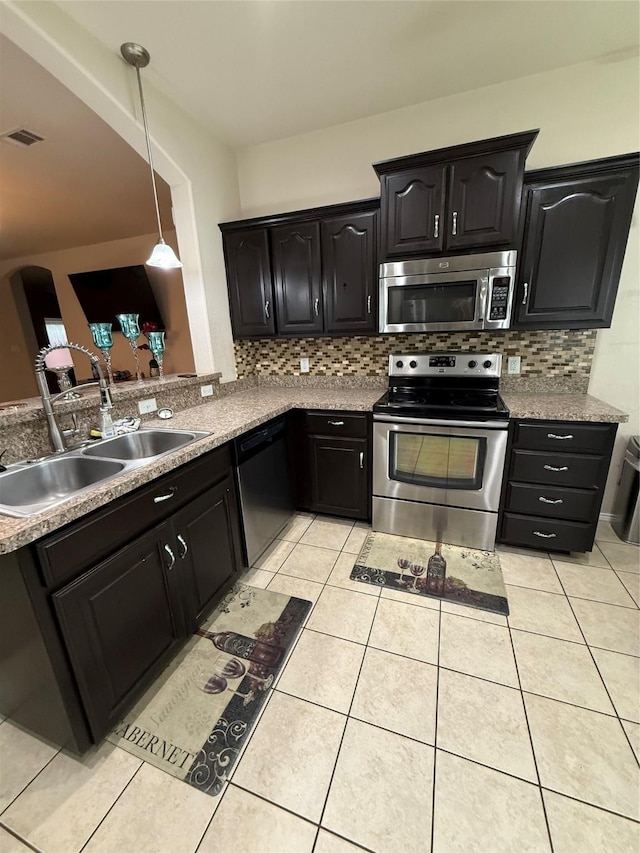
(22, 137)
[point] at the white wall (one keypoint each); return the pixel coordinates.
(200, 170)
(584, 112)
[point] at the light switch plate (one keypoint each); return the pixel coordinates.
(513, 364)
(146, 406)
(304, 365)
(206, 390)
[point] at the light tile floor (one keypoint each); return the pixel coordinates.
(396, 725)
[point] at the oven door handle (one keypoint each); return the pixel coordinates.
(401, 421)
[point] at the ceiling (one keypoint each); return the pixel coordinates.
(259, 70)
(84, 184)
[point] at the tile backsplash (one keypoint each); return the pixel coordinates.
(550, 360)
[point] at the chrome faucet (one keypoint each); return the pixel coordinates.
(57, 435)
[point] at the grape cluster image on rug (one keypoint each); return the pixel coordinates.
(423, 567)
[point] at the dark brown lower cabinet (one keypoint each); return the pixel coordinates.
(339, 476)
(112, 597)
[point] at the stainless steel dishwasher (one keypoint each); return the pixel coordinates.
(264, 486)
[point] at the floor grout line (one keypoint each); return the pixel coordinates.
(113, 804)
(435, 733)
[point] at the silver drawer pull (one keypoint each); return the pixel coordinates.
(159, 498)
(544, 535)
(454, 225)
(267, 309)
(548, 501)
(171, 557)
(436, 226)
(336, 423)
(551, 468)
(526, 293)
(362, 459)
(559, 437)
(185, 547)
(316, 306)
(369, 304)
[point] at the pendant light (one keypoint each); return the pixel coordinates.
(163, 255)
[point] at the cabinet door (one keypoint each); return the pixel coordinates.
(412, 208)
(574, 241)
(349, 272)
(208, 548)
(483, 200)
(249, 280)
(296, 269)
(339, 476)
(120, 622)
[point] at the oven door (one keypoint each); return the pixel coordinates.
(441, 302)
(449, 463)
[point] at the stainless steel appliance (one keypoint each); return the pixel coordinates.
(446, 294)
(262, 473)
(439, 444)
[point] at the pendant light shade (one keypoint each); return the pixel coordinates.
(162, 255)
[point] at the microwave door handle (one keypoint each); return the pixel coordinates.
(484, 292)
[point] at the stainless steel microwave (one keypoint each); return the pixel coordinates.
(448, 294)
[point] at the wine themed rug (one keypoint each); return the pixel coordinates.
(420, 567)
(195, 718)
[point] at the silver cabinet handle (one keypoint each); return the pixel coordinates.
(548, 501)
(171, 557)
(362, 458)
(159, 498)
(436, 226)
(454, 228)
(316, 306)
(336, 423)
(526, 293)
(544, 535)
(267, 309)
(551, 468)
(185, 547)
(369, 304)
(559, 437)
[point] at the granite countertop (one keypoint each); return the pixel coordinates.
(230, 416)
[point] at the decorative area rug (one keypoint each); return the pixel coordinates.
(195, 718)
(419, 566)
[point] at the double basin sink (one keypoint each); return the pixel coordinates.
(32, 487)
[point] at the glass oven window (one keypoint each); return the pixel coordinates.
(432, 303)
(440, 461)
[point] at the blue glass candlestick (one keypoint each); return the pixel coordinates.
(131, 331)
(103, 339)
(156, 345)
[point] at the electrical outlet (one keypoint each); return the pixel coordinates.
(147, 406)
(206, 390)
(513, 364)
(304, 365)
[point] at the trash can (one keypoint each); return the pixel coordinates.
(626, 508)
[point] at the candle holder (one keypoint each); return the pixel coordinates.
(131, 331)
(156, 345)
(103, 339)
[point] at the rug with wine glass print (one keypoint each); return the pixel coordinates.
(195, 718)
(435, 569)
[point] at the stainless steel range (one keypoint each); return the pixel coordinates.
(439, 443)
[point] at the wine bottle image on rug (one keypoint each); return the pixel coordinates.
(436, 571)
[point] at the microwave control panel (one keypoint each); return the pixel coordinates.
(499, 297)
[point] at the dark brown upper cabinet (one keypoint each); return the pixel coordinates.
(249, 281)
(575, 229)
(298, 283)
(311, 272)
(458, 198)
(349, 272)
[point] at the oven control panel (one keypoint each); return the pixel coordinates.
(446, 364)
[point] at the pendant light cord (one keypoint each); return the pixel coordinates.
(146, 133)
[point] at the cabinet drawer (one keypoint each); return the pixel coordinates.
(558, 469)
(94, 537)
(546, 534)
(337, 423)
(564, 437)
(552, 502)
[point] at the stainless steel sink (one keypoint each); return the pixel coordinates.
(29, 488)
(145, 444)
(32, 488)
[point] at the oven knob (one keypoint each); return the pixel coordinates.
(413, 364)
(487, 364)
(473, 364)
(399, 364)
